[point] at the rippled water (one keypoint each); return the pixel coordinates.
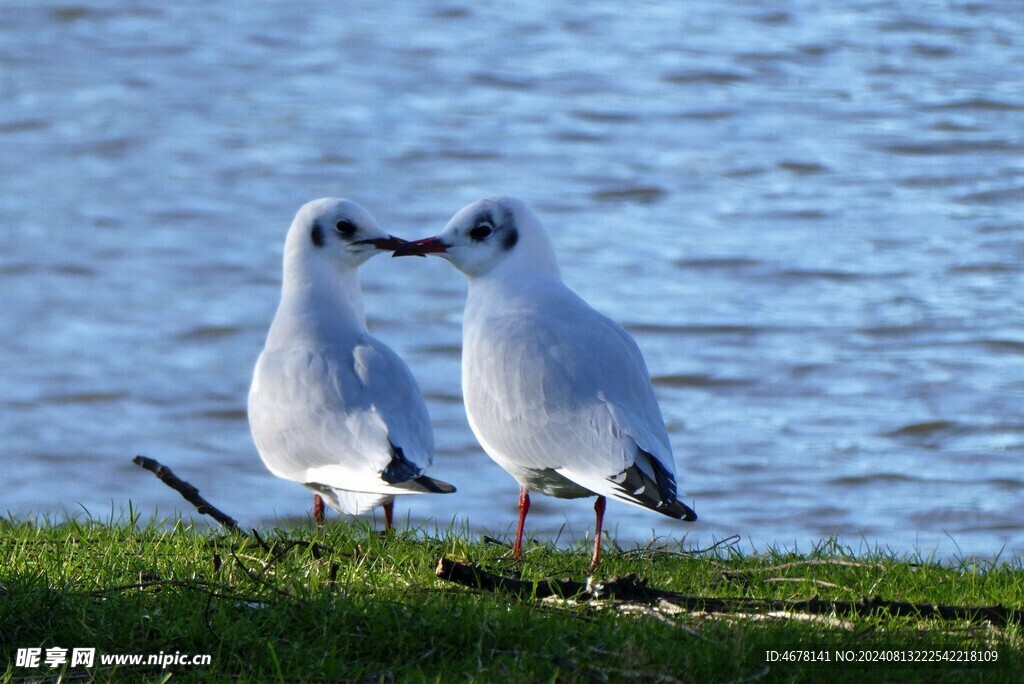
(809, 218)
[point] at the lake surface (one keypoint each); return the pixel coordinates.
(810, 218)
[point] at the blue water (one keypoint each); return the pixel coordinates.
(810, 219)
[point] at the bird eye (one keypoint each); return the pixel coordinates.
(481, 231)
(345, 228)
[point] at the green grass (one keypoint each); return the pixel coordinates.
(345, 603)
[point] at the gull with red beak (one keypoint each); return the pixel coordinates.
(556, 393)
(332, 407)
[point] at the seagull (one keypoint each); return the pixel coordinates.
(555, 392)
(332, 407)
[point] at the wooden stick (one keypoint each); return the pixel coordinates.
(630, 588)
(469, 575)
(478, 578)
(188, 491)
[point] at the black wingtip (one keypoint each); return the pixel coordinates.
(678, 510)
(658, 493)
(402, 472)
(400, 469)
(434, 486)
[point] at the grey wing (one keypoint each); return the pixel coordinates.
(322, 416)
(396, 398)
(568, 391)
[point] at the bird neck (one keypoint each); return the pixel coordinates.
(497, 292)
(321, 305)
(532, 263)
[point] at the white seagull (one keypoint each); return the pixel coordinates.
(556, 393)
(330, 406)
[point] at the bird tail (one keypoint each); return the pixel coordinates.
(424, 484)
(677, 509)
(404, 474)
(636, 485)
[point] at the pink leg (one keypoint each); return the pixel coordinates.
(318, 510)
(389, 512)
(599, 512)
(524, 508)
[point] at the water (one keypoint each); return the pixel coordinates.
(809, 218)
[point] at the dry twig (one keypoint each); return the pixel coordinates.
(188, 491)
(630, 588)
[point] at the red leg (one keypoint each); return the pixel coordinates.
(389, 512)
(318, 510)
(599, 512)
(524, 508)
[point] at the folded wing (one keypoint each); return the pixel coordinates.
(560, 386)
(350, 419)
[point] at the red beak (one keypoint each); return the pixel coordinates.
(430, 245)
(390, 242)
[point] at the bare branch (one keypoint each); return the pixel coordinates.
(187, 490)
(630, 588)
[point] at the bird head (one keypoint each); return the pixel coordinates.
(488, 235)
(340, 231)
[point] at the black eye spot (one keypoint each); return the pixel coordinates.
(345, 228)
(511, 238)
(481, 231)
(317, 235)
